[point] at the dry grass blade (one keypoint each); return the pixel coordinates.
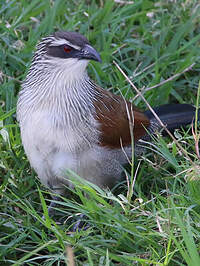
(196, 139)
(155, 115)
(195, 126)
(166, 80)
(124, 2)
(70, 256)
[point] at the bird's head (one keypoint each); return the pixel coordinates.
(69, 52)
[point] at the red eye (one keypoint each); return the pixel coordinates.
(67, 49)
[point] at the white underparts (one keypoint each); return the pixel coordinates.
(56, 115)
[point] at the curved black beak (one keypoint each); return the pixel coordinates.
(89, 53)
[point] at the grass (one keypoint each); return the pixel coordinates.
(159, 225)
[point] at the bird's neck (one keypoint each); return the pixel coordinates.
(61, 93)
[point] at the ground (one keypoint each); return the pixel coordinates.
(154, 220)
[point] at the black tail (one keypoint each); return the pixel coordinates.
(174, 115)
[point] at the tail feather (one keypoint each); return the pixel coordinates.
(174, 115)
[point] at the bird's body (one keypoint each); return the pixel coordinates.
(59, 123)
(56, 141)
(68, 122)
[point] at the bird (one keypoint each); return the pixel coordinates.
(67, 121)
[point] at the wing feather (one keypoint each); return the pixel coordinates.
(117, 117)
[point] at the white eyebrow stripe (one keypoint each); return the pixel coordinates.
(63, 41)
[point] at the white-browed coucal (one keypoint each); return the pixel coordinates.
(69, 122)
